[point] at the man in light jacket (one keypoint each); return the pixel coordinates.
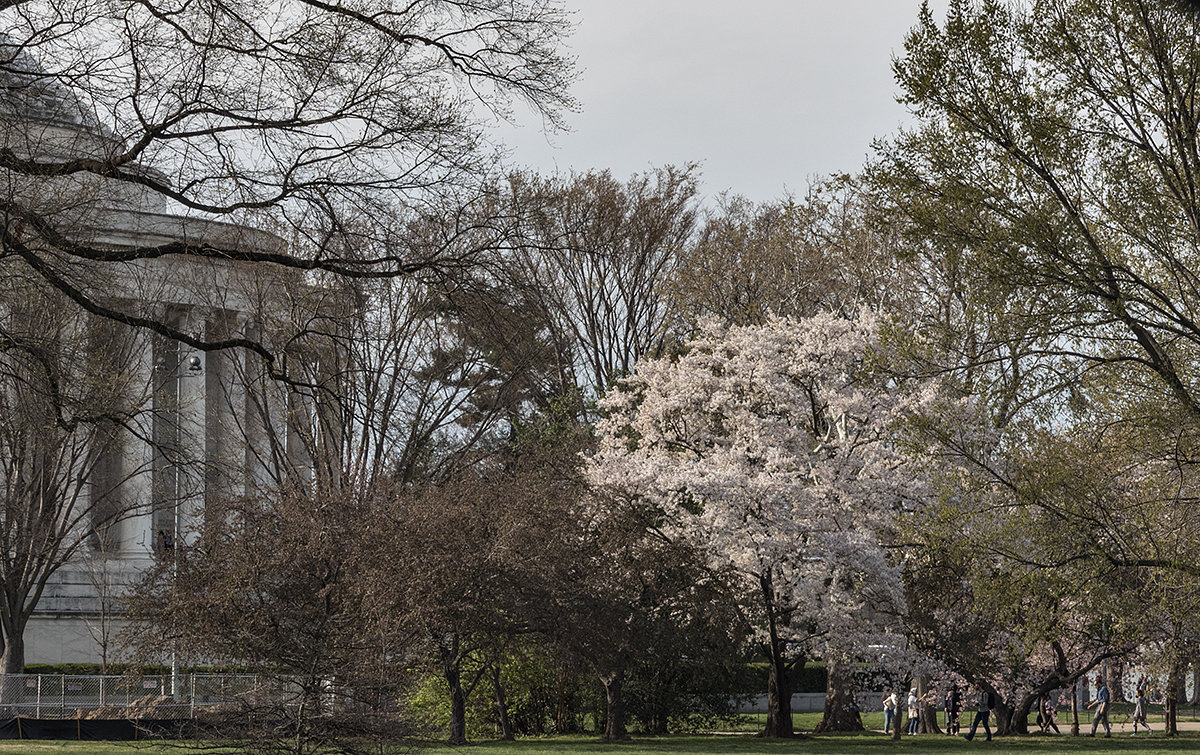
(1101, 702)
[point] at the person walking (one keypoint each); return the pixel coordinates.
(953, 707)
(983, 711)
(1047, 712)
(1139, 708)
(889, 711)
(914, 713)
(1101, 703)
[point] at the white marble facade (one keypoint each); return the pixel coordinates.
(197, 416)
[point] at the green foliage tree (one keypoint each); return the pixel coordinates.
(1048, 194)
(1053, 158)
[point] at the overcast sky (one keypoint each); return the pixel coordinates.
(763, 93)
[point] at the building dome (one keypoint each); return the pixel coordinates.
(42, 119)
(31, 92)
(40, 116)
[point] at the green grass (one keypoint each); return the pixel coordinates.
(741, 744)
(55, 747)
(843, 744)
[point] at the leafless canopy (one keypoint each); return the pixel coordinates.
(286, 114)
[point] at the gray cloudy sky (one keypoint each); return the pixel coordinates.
(763, 93)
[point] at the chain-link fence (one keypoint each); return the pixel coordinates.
(145, 697)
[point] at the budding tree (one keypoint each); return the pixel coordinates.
(773, 447)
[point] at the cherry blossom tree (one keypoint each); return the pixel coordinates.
(774, 447)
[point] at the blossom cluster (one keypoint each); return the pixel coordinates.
(774, 447)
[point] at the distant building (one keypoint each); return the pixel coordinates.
(200, 423)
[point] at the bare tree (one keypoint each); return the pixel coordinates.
(390, 379)
(599, 253)
(829, 250)
(181, 171)
(62, 397)
(288, 114)
(108, 582)
(288, 586)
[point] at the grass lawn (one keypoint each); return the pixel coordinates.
(742, 744)
(844, 744)
(55, 747)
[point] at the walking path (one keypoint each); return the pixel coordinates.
(1126, 728)
(1119, 728)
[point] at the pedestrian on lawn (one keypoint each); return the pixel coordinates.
(953, 707)
(889, 711)
(1139, 708)
(914, 713)
(983, 710)
(1101, 703)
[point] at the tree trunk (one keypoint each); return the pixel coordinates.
(1019, 719)
(1114, 672)
(452, 670)
(614, 719)
(896, 727)
(779, 695)
(927, 711)
(841, 713)
(1075, 709)
(1170, 718)
(564, 714)
(1037, 696)
(1004, 717)
(506, 729)
(779, 688)
(458, 711)
(13, 659)
(1171, 704)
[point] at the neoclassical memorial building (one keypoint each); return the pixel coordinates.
(195, 427)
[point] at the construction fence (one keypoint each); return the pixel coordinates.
(53, 696)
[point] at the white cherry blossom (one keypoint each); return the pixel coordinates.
(774, 447)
